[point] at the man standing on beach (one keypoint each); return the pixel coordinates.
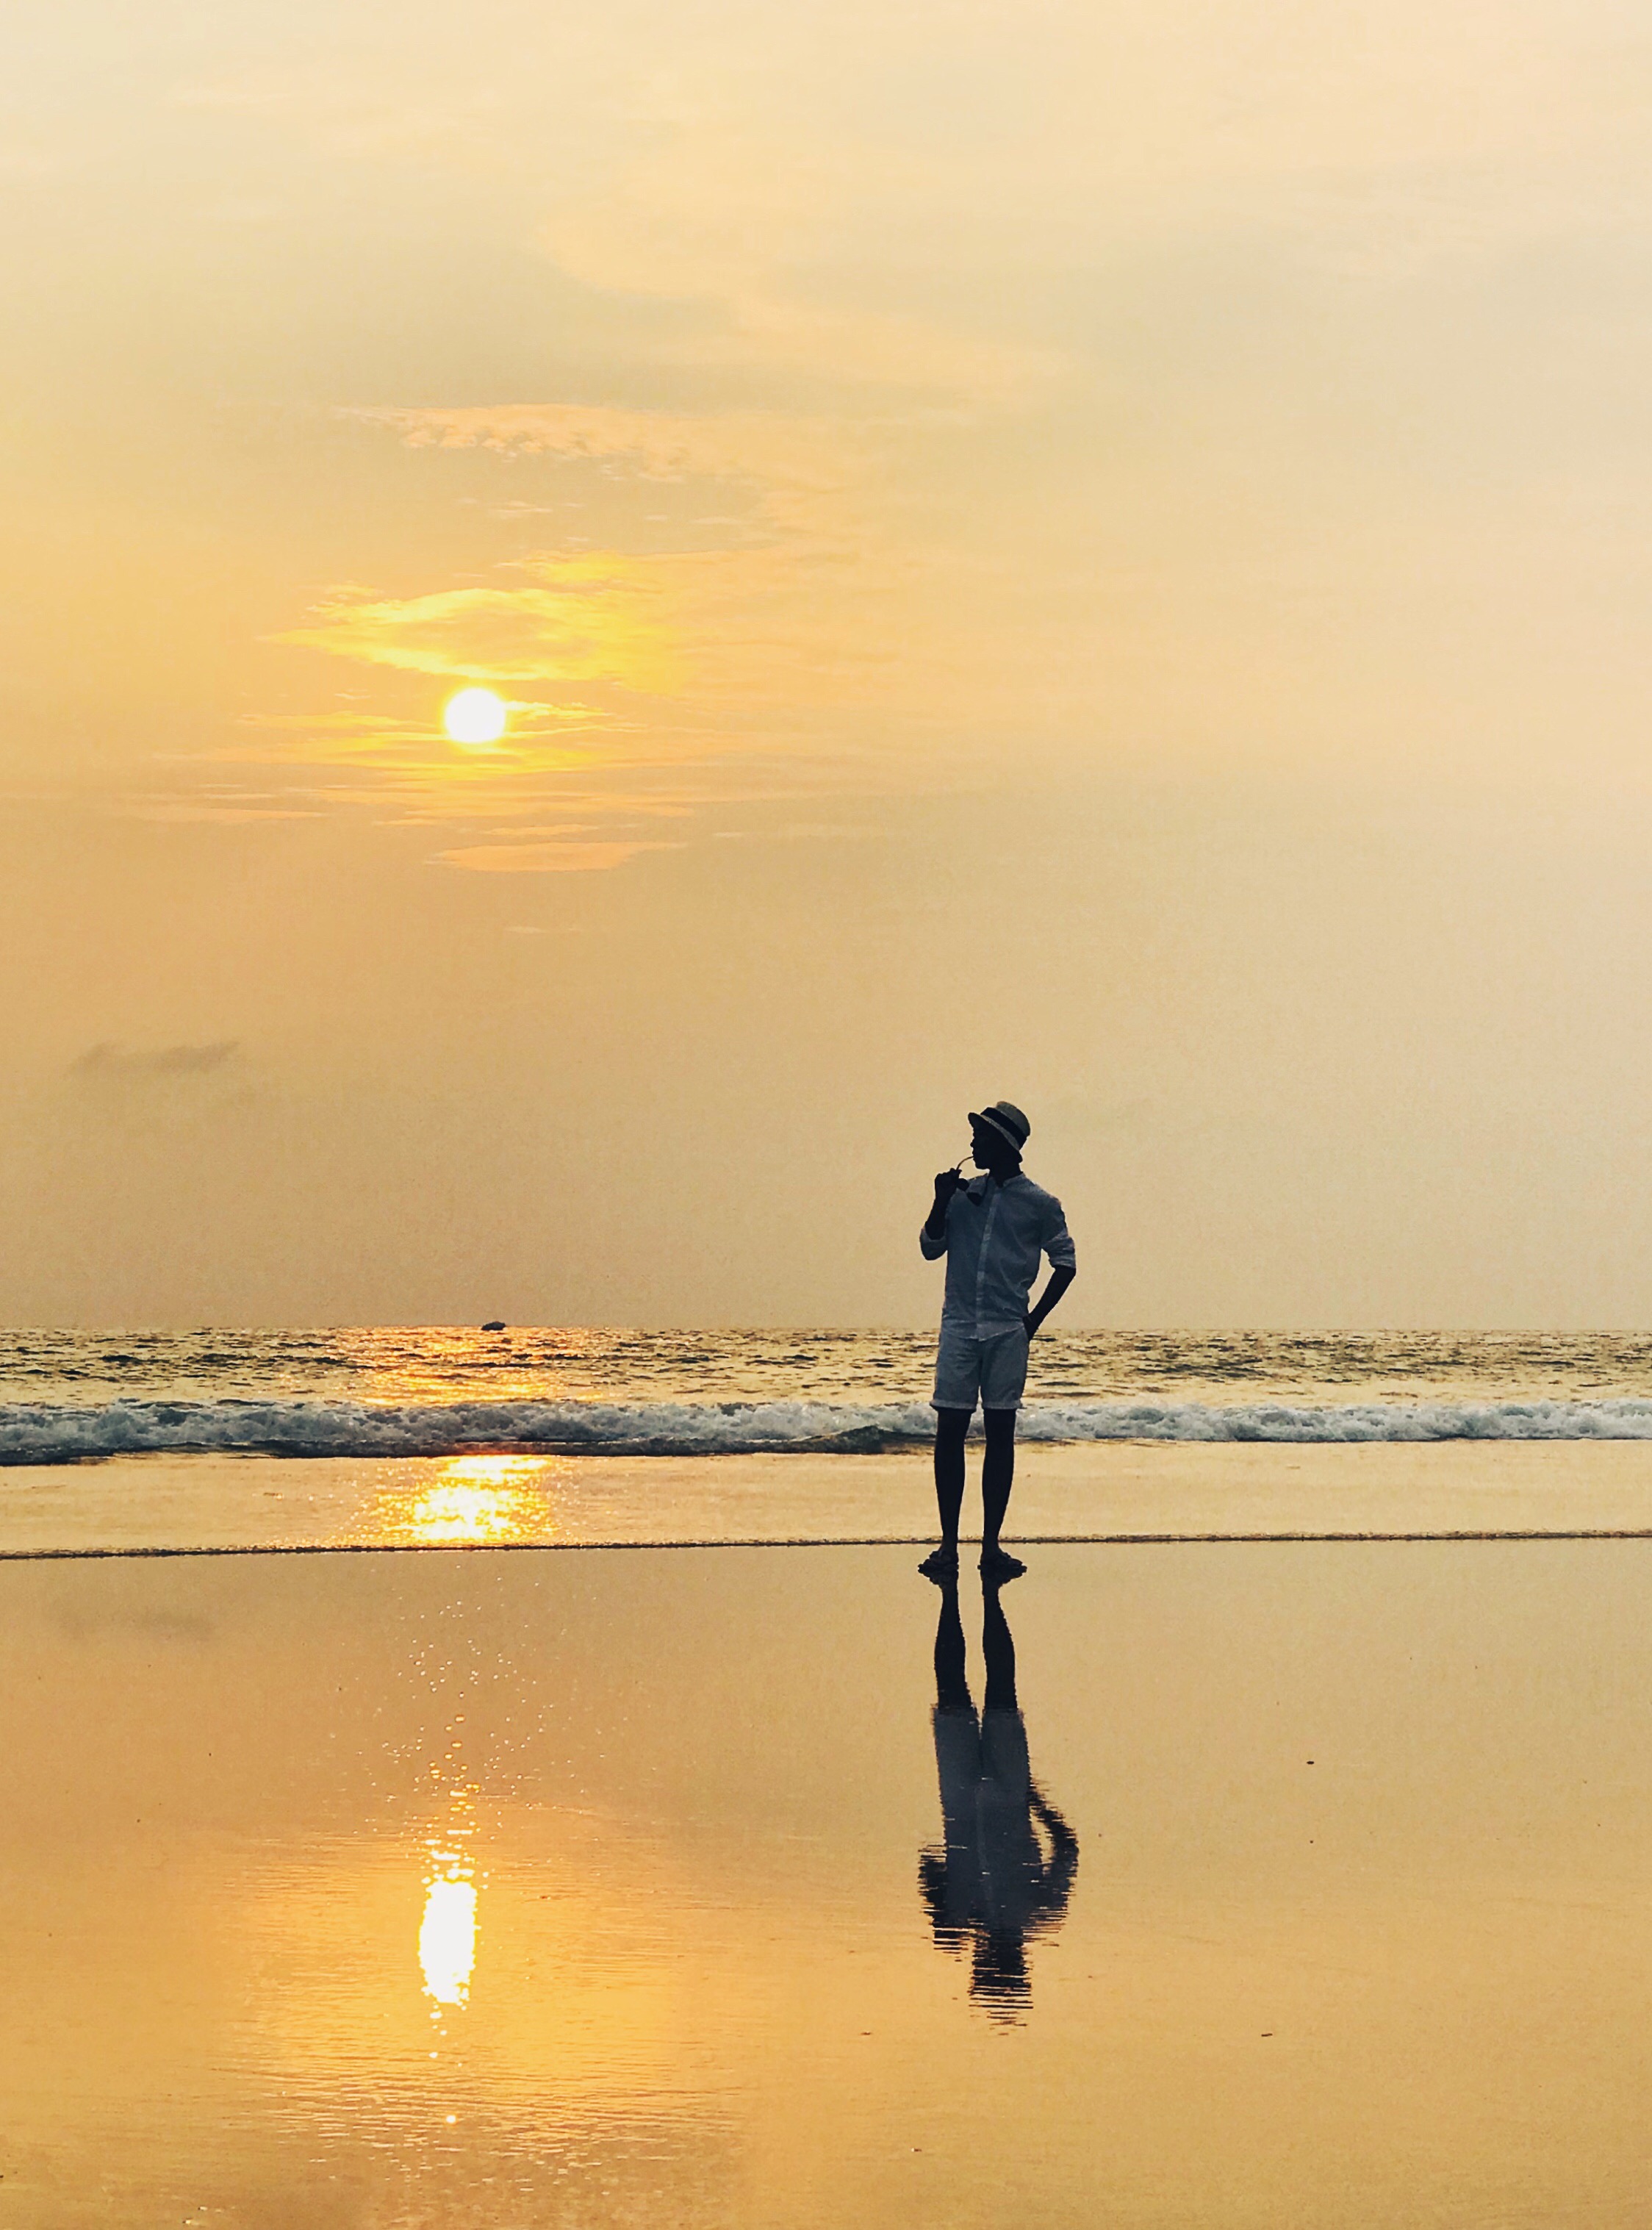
(992, 1231)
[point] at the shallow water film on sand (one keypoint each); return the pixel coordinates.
(681, 1887)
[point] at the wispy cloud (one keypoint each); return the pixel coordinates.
(571, 853)
(109, 1062)
(575, 620)
(707, 203)
(716, 662)
(793, 613)
(800, 469)
(213, 810)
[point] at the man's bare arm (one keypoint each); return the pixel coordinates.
(934, 1231)
(1059, 1281)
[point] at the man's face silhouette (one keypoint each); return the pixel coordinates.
(991, 1150)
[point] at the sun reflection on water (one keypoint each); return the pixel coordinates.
(454, 1365)
(448, 1938)
(472, 1500)
(447, 1932)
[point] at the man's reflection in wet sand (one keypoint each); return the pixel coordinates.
(998, 1882)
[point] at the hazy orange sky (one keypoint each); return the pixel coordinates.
(1086, 553)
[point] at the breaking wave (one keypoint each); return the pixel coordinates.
(40, 1433)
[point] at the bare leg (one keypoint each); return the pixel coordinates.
(950, 1427)
(997, 1475)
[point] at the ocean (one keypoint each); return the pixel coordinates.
(75, 1396)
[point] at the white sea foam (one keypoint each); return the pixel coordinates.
(41, 1433)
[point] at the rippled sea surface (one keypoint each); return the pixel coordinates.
(73, 1397)
(443, 1363)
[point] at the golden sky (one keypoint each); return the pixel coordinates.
(1086, 553)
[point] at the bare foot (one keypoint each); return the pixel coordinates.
(998, 1565)
(941, 1563)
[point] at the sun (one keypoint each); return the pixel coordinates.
(475, 716)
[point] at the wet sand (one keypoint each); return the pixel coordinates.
(1130, 1491)
(586, 1890)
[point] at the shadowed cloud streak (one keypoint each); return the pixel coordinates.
(109, 1062)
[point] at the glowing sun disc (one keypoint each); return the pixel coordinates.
(475, 716)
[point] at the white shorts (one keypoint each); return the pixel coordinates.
(992, 1371)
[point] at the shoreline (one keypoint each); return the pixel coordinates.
(1156, 1491)
(816, 1541)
